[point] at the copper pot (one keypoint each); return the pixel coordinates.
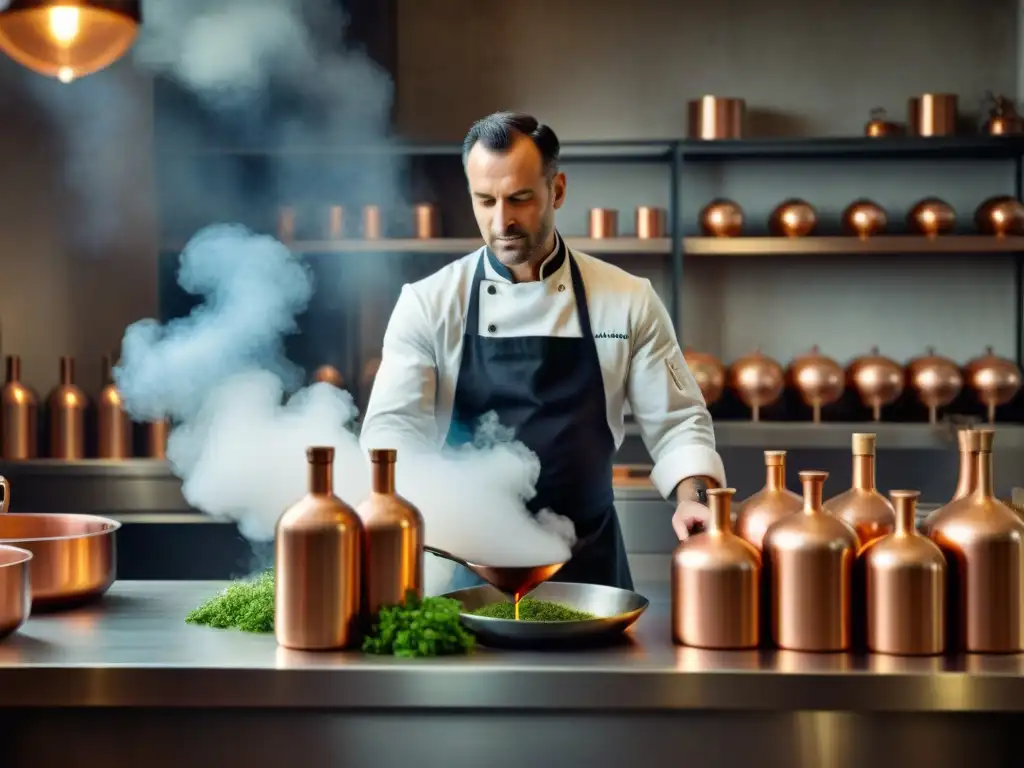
(862, 507)
(708, 372)
(931, 217)
(936, 380)
(426, 221)
(65, 410)
(721, 218)
(1003, 119)
(604, 223)
(15, 589)
(770, 504)
(820, 380)
(714, 117)
(650, 222)
(932, 114)
(878, 380)
(114, 428)
(793, 218)
(864, 218)
(1000, 216)
(995, 380)
(758, 380)
(879, 126)
(328, 374)
(19, 414)
(983, 541)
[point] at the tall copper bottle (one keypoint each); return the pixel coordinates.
(392, 539)
(808, 562)
(113, 427)
(862, 507)
(318, 547)
(19, 416)
(157, 433)
(770, 504)
(906, 588)
(983, 541)
(65, 411)
(715, 584)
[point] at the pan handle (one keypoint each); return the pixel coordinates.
(6, 503)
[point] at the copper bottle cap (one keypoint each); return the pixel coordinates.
(968, 440)
(320, 455)
(383, 455)
(986, 439)
(774, 458)
(863, 444)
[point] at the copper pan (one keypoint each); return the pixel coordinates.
(15, 594)
(74, 558)
(514, 580)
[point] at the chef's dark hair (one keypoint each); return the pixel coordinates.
(497, 132)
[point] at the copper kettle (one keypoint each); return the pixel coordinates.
(878, 380)
(758, 380)
(1003, 119)
(995, 380)
(879, 125)
(936, 379)
(819, 379)
(708, 372)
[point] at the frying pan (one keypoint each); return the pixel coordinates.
(15, 593)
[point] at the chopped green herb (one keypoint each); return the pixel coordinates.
(246, 605)
(417, 628)
(531, 609)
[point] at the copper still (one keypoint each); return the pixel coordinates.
(932, 114)
(931, 217)
(864, 218)
(65, 410)
(328, 374)
(1003, 119)
(862, 507)
(879, 125)
(650, 222)
(1000, 216)
(157, 433)
(721, 218)
(983, 541)
(770, 504)
(758, 380)
(373, 226)
(426, 221)
(936, 380)
(335, 222)
(808, 561)
(906, 588)
(715, 584)
(19, 415)
(714, 117)
(318, 565)
(820, 380)
(604, 223)
(114, 428)
(994, 379)
(286, 224)
(877, 380)
(793, 218)
(392, 539)
(708, 372)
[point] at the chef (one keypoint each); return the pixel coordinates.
(555, 342)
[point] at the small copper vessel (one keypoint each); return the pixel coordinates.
(864, 218)
(650, 222)
(286, 224)
(65, 410)
(879, 125)
(1003, 119)
(1000, 216)
(862, 507)
(373, 226)
(820, 380)
(937, 380)
(318, 566)
(715, 584)
(604, 223)
(932, 114)
(931, 217)
(19, 414)
(715, 117)
(995, 380)
(877, 380)
(983, 541)
(770, 504)
(708, 372)
(426, 221)
(392, 539)
(328, 374)
(156, 439)
(721, 218)
(758, 380)
(906, 588)
(793, 218)
(808, 560)
(15, 589)
(113, 427)
(335, 222)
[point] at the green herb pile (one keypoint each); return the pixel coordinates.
(246, 605)
(532, 610)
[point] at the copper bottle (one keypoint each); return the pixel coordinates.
(392, 539)
(864, 218)
(708, 372)
(19, 415)
(877, 379)
(373, 227)
(721, 218)
(426, 221)
(65, 410)
(931, 217)
(328, 374)
(318, 566)
(808, 560)
(604, 223)
(286, 224)
(936, 380)
(156, 439)
(113, 427)
(983, 541)
(650, 222)
(758, 381)
(793, 218)
(335, 222)
(820, 380)
(1000, 216)
(862, 507)
(770, 504)
(906, 588)
(715, 584)
(994, 379)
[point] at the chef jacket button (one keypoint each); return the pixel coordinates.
(492, 328)
(491, 290)
(561, 288)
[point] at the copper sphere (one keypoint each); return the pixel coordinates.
(1000, 216)
(793, 218)
(931, 217)
(708, 372)
(758, 380)
(328, 374)
(819, 379)
(864, 218)
(995, 380)
(877, 379)
(721, 218)
(936, 380)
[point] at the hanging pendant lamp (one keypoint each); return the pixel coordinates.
(68, 39)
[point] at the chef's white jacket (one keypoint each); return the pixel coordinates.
(641, 361)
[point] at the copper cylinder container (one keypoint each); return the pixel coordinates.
(757, 380)
(335, 222)
(931, 217)
(392, 539)
(604, 223)
(318, 564)
(286, 224)
(906, 588)
(708, 372)
(818, 379)
(650, 222)
(157, 433)
(864, 218)
(328, 374)
(808, 560)
(936, 380)
(1000, 216)
(877, 380)
(372, 224)
(715, 584)
(862, 507)
(721, 218)
(714, 117)
(114, 428)
(426, 221)
(770, 504)
(19, 414)
(932, 114)
(983, 542)
(793, 218)
(995, 380)
(65, 411)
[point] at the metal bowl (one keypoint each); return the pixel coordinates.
(615, 609)
(15, 592)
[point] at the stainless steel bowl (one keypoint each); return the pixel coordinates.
(615, 609)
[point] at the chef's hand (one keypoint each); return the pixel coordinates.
(690, 517)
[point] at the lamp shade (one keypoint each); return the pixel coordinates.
(68, 39)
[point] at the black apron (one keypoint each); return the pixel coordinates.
(550, 391)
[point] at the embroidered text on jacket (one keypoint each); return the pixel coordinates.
(610, 335)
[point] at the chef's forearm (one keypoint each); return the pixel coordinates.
(687, 488)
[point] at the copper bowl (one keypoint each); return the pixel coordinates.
(15, 592)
